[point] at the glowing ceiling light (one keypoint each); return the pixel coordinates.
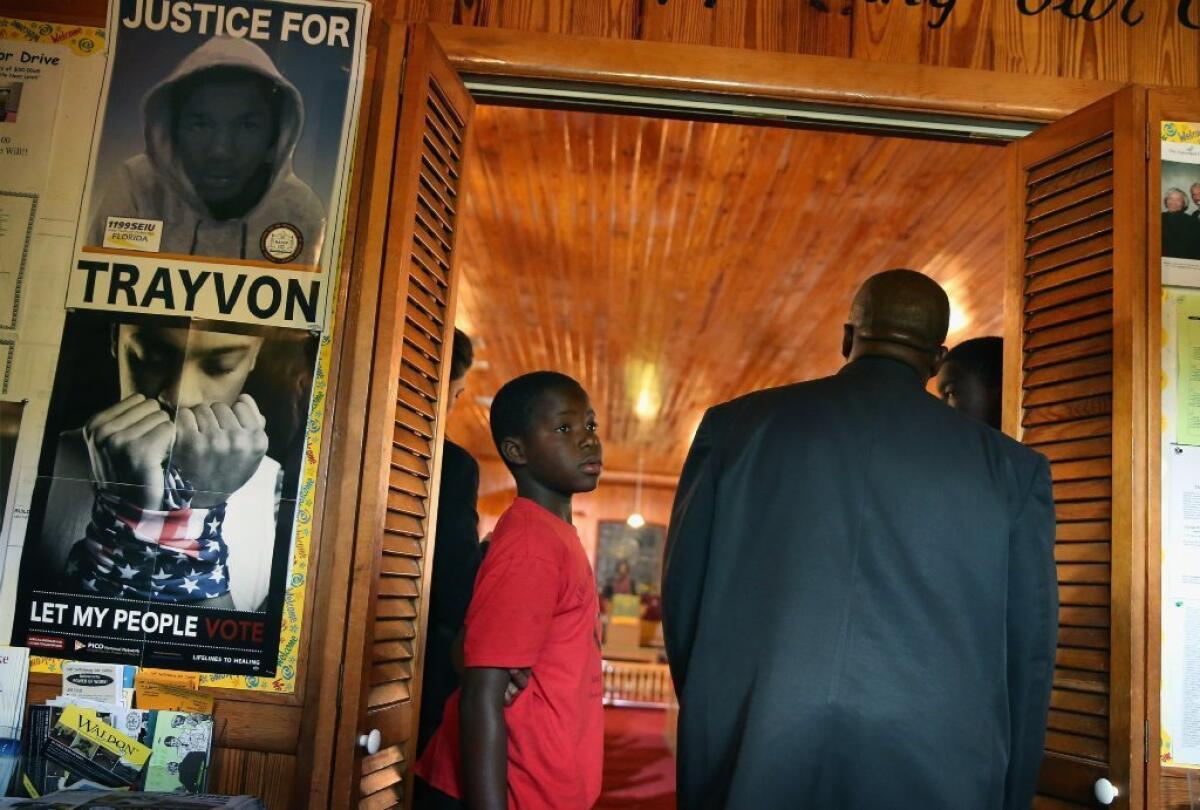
(635, 521)
(645, 408)
(959, 319)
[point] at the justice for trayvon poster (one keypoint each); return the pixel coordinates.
(220, 160)
(163, 519)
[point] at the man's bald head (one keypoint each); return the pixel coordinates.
(900, 314)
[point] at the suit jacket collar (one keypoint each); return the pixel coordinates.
(886, 368)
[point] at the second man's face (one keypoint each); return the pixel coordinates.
(182, 367)
(562, 448)
(224, 136)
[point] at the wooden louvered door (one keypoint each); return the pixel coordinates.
(1075, 358)
(405, 427)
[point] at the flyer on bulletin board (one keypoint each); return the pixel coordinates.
(1180, 203)
(1180, 509)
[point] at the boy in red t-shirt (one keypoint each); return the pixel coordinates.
(535, 607)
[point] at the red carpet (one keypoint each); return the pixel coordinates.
(639, 771)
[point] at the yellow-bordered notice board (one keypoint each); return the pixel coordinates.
(1179, 211)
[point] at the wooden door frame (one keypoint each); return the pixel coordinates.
(649, 67)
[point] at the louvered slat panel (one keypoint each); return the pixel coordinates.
(1094, 682)
(1070, 255)
(395, 609)
(1083, 552)
(1043, 802)
(1098, 182)
(1083, 510)
(406, 503)
(1037, 177)
(437, 191)
(403, 566)
(1079, 349)
(1095, 638)
(1075, 290)
(1068, 411)
(391, 796)
(387, 757)
(1066, 402)
(402, 481)
(394, 673)
(404, 461)
(1077, 470)
(381, 779)
(1084, 616)
(1070, 370)
(1048, 280)
(1072, 215)
(1063, 432)
(394, 630)
(414, 400)
(425, 322)
(391, 651)
(1084, 702)
(391, 671)
(1082, 532)
(399, 544)
(1077, 745)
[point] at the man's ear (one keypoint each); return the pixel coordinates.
(939, 358)
(513, 451)
(847, 340)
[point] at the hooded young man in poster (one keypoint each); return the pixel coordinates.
(220, 132)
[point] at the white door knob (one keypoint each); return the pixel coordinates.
(370, 742)
(1106, 791)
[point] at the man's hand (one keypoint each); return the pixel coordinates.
(128, 444)
(518, 679)
(218, 448)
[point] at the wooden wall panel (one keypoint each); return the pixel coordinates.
(589, 18)
(994, 35)
(766, 25)
(270, 777)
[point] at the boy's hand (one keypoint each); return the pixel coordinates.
(218, 448)
(128, 444)
(518, 679)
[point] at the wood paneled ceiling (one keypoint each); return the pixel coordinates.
(670, 265)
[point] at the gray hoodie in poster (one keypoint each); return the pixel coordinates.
(154, 185)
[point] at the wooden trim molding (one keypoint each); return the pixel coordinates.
(735, 71)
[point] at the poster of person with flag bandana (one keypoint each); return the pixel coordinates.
(160, 524)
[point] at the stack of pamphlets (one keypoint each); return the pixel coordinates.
(14, 678)
(92, 737)
(92, 799)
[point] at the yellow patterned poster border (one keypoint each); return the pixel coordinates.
(82, 40)
(1180, 132)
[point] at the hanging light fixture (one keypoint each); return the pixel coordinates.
(635, 520)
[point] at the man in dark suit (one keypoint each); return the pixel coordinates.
(1180, 232)
(859, 601)
(456, 557)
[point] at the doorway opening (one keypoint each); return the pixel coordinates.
(671, 264)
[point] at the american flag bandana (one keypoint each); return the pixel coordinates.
(173, 554)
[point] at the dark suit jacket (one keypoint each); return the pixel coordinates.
(860, 602)
(1180, 235)
(456, 557)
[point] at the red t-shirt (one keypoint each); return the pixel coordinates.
(535, 606)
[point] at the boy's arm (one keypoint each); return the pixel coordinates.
(484, 736)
